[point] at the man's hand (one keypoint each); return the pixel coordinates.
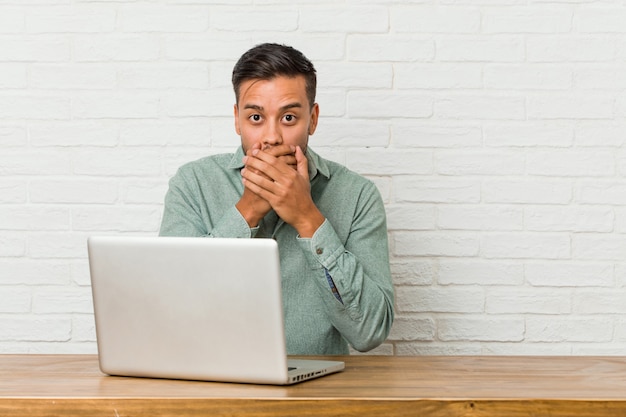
(251, 206)
(287, 190)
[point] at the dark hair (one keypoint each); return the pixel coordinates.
(270, 60)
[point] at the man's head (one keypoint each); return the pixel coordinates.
(270, 60)
(275, 92)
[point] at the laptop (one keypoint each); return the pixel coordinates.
(193, 308)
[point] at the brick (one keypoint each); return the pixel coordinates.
(33, 272)
(143, 191)
(480, 329)
(35, 49)
(13, 76)
(528, 301)
(62, 300)
(254, 19)
(332, 103)
(438, 76)
(11, 19)
(347, 133)
(573, 219)
(12, 244)
(569, 49)
(416, 189)
(155, 18)
(375, 48)
(15, 299)
(480, 107)
(346, 75)
(428, 19)
(119, 162)
(483, 162)
(427, 136)
(597, 247)
(389, 104)
(73, 133)
(559, 329)
(620, 219)
(100, 191)
(193, 47)
(570, 107)
(116, 219)
(530, 191)
(72, 77)
(406, 328)
(526, 245)
(12, 136)
(428, 348)
(83, 328)
(198, 103)
(485, 218)
(75, 19)
(598, 349)
(41, 107)
(194, 132)
(406, 243)
(527, 20)
(116, 47)
(479, 272)
(35, 162)
(528, 77)
(79, 272)
(442, 300)
(413, 272)
(388, 161)
(57, 245)
(116, 106)
(600, 135)
(569, 274)
(604, 301)
(156, 77)
(410, 217)
(345, 19)
(31, 217)
(525, 349)
(571, 163)
(35, 329)
(528, 134)
(601, 20)
(602, 77)
(480, 49)
(601, 192)
(12, 191)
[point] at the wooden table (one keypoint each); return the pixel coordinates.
(72, 385)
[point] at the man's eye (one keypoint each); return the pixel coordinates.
(255, 117)
(290, 118)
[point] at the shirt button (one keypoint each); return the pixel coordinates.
(319, 251)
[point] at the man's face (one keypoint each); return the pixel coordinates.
(274, 112)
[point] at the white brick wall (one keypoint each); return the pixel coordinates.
(495, 131)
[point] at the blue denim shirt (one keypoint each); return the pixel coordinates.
(337, 287)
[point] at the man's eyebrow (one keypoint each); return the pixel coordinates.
(283, 108)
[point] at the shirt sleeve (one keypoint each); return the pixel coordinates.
(182, 215)
(359, 268)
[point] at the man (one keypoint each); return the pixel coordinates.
(328, 221)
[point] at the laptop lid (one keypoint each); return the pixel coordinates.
(192, 308)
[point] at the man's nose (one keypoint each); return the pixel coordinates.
(273, 135)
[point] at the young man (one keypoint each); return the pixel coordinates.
(328, 221)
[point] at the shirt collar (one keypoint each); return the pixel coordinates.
(316, 163)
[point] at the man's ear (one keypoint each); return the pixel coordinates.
(236, 114)
(315, 113)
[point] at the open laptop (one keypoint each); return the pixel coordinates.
(193, 308)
